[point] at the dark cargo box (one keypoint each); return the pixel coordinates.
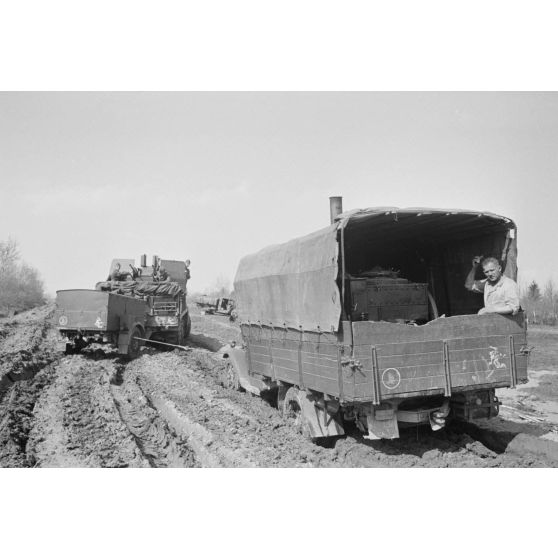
(388, 300)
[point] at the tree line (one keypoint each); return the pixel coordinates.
(21, 287)
(541, 305)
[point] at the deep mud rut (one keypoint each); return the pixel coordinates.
(169, 409)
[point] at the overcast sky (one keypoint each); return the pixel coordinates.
(87, 177)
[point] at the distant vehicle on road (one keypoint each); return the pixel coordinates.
(212, 305)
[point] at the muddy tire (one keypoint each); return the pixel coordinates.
(184, 328)
(187, 326)
(134, 346)
(291, 409)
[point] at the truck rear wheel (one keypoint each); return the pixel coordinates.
(184, 328)
(134, 346)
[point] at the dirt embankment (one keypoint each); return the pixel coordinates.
(169, 409)
(27, 357)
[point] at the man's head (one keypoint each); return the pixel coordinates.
(117, 266)
(187, 263)
(492, 269)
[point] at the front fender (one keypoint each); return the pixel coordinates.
(238, 358)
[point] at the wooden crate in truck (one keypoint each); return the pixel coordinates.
(388, 300)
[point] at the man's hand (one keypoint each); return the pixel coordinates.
(470, 280)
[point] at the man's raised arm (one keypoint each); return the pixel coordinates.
(470, 280)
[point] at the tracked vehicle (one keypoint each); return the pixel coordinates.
(143, 303)
(368, 320)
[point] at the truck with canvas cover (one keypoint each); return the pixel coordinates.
(134, 305)
(368, 320)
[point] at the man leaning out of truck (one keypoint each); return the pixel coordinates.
(501, 294)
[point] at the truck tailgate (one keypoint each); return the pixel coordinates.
(448, 354)
(83, 309)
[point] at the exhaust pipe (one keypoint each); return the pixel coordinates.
(335, 207)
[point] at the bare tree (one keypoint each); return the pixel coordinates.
(9, 256)
(221, 287)
(550, 303)
(21, 287)
(534, 292)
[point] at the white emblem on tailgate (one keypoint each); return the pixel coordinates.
(391, 378)
(494, 364)
(99, 323)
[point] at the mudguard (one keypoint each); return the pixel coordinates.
(237, 357)
(124, 337)
(382, 423)
(320, 422)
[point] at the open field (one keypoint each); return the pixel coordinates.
(544, 339)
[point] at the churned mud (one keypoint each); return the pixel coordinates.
(170, 409)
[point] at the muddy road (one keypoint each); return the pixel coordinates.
(170, 409)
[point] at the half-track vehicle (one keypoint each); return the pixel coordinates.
(134, 305)
(368, 320)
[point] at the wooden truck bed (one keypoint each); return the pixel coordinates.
(378, 361)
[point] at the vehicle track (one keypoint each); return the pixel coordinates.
(27, 366)
(157, 441)
(92, 417)
(27, 344)
(60, 411)
(223, 428)
(169, 409)
(77, 423)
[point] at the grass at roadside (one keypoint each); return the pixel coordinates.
(542, 389)
(544, 339)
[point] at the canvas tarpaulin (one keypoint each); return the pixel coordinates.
(292, 285)
(138, 288)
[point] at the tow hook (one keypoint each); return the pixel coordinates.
(352, 363)
(438, 418)
(525, 350)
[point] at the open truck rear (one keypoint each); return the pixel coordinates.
(368, 320)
